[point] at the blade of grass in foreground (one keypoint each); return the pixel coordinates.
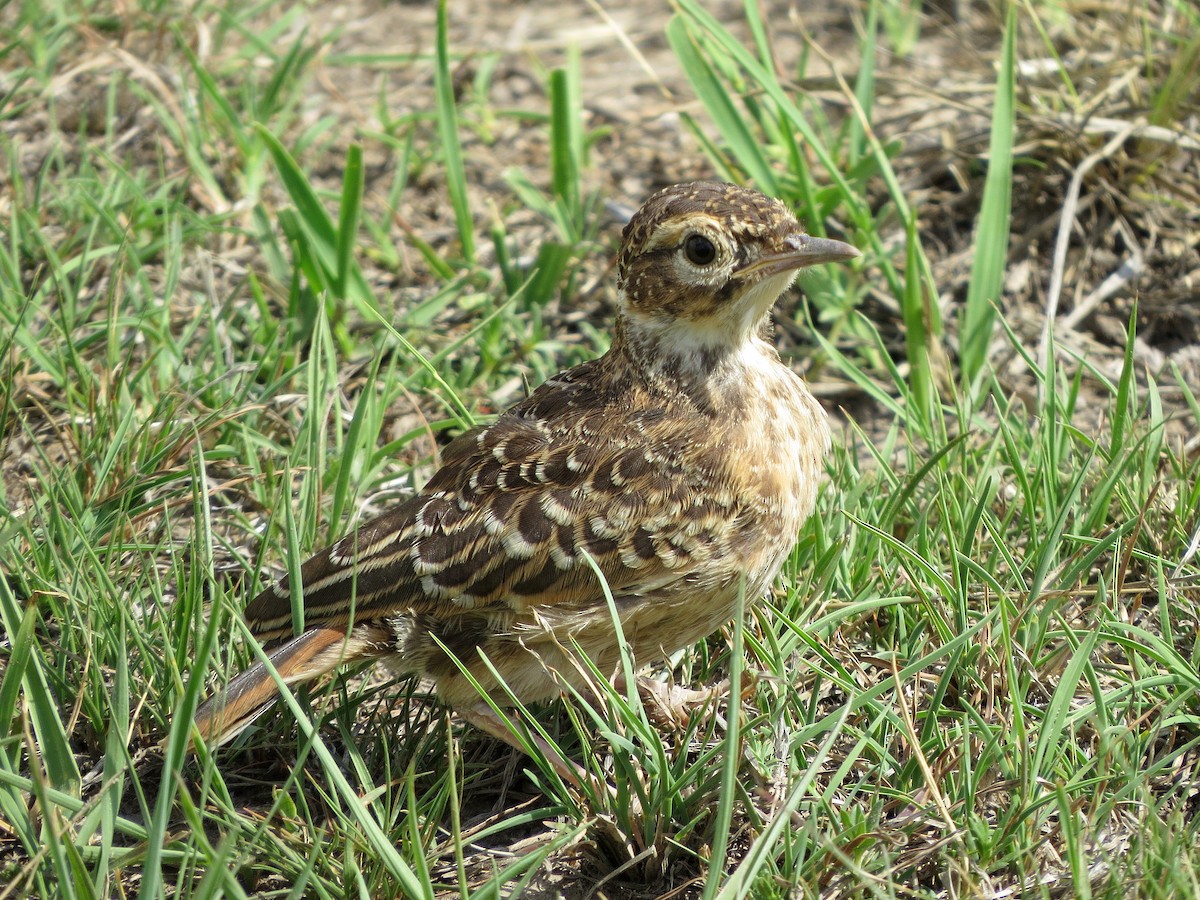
(733, 755)
(386, 853)
(762, 850)
(995, 218)
(566, 144)
(348, 215)
(447, 119)
(176, 748)
(918, 309)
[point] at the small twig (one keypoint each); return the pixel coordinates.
(631, 48)
(1066, 223)
(1128, 270)
(1143, 131)
(1192, 548)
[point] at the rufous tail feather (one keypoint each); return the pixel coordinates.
(310, 655)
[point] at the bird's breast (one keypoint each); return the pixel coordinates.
(776, 438)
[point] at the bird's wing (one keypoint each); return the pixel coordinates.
(504, 524)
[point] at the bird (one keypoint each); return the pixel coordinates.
(673, 472)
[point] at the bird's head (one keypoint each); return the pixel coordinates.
(702, 263)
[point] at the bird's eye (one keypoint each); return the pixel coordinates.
(699, 250)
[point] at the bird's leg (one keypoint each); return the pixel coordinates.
(485, 719)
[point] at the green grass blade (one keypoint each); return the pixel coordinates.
(732, 754)
(51, 750)
(447, 121)
(746, 148)
(739, 884)
(566, 140)
(995, 217)
(1123, 408)
(920, 313)
(1054, 721)
(348, 215)
(328, 250)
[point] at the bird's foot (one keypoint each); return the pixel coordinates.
(672, 706)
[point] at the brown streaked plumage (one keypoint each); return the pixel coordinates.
(683, 461)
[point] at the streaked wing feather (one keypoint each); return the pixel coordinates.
(502, 524)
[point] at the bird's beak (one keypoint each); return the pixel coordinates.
(803, 250)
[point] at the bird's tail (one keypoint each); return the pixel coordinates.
(315, 652)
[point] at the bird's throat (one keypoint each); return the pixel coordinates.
(712, 369)
(705, 350)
